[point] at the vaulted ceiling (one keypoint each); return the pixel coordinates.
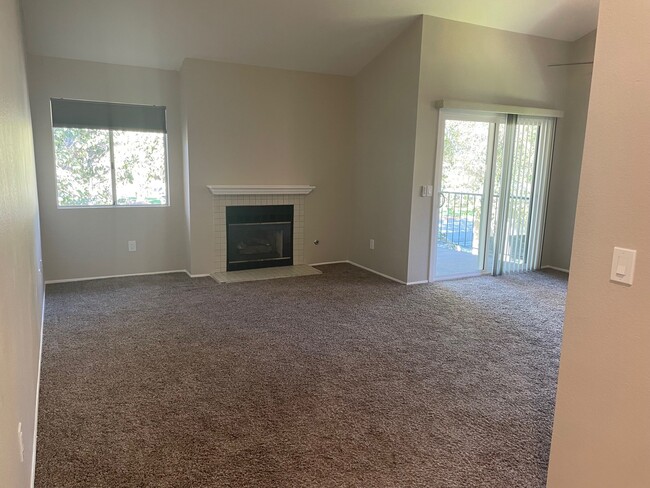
(327, 36)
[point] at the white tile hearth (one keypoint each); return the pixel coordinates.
(264, 274)
(220, 202)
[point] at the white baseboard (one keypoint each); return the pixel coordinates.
(38, 389)
(71, 280)
(329, 262)
(365, 268)
(196, 275)
(378, 273)
(556, 268)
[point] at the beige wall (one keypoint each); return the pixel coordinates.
(250, 125)
(21, 286)
(82, 243)
(397, 128)
(386, 114)
(467, 62)
(563, 194)
(236, 124)
(601, 436)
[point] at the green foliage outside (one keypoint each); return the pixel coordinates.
(464, 175)
(140, 170)
(465, 156)
(83, 167)
(463, 178)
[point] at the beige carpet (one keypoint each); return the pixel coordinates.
(338, 380)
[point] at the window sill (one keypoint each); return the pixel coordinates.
(95, 207)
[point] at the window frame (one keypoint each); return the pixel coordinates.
(114, 204)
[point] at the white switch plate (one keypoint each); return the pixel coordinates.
(21, 445)
(426, 191)
(372, 243)
(132, 246)
(623, 263)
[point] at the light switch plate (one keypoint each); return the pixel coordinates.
(623, 263)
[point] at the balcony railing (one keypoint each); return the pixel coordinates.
(459, 223)
(459, 219)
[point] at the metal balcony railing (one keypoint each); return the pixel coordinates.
(459, 218)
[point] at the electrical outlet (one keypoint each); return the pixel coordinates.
(21, 445)
(132, 246)
(372, 244)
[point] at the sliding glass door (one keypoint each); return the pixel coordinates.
(465, 175)
(491, 191)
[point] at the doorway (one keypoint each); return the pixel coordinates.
(491, 190)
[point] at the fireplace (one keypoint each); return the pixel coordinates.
(226, 196)
(259, 236)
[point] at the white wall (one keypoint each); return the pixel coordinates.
(563, 195)
(83, 242)
(601, 436)
(386, 93)
(21, 286)
(250, 125)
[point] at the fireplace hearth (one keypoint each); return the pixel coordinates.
(259, 236)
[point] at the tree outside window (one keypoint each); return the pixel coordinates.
(106, 167)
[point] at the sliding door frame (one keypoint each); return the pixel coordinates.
(494, 119)
(537, 209)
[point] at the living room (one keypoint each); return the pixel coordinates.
(170, 356)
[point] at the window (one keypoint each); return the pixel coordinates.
(109, 154)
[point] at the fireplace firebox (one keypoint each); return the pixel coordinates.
(259, 236)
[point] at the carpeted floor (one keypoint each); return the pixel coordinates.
(338, 380)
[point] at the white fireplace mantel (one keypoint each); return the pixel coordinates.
(261, 189)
